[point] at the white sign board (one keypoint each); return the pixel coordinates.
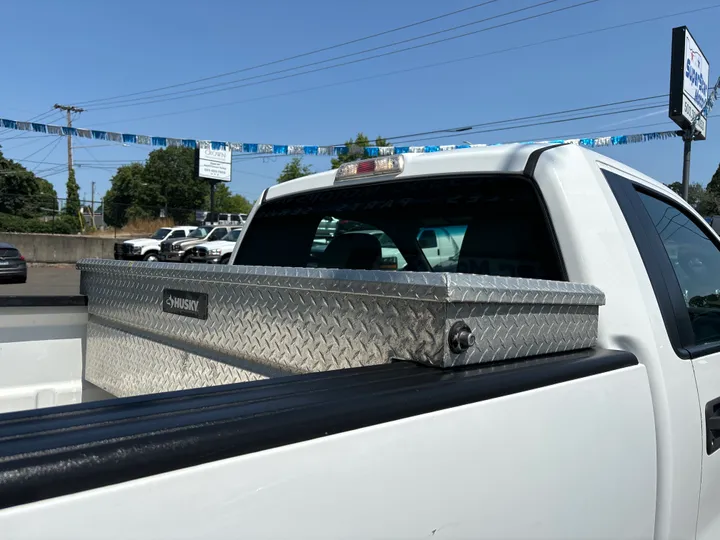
(689, 80)
(215, 164)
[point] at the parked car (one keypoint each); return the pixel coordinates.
(12, 264)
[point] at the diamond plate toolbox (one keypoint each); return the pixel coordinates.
(258, 322)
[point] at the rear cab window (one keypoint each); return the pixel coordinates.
(493, 225)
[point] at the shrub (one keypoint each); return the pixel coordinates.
(59, 225)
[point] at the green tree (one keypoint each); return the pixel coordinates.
(294, 169)
(360, 141)
(124, 192)
(713, 186)
(703, 200)
(72, 203)
(22, 193)
(47, 198)
(170, 181)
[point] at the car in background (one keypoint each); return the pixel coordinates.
(178, 250)
(217, 251)
(147, 249)
(13, 267)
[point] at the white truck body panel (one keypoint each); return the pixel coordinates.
(223, 246)
(401, 480)
(598, 248)
(41, 356)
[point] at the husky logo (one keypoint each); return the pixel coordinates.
(187, 303)
(182, 303)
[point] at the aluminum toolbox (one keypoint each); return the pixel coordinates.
(155, 326)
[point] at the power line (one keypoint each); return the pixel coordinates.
(134, 103)
(285, 70)
(302, 55)
(468, 127)
(55, 141)
(544, 123)
(596, 133)
(422, 67)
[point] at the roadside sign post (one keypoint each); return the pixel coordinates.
(687, 149)
(689, 94)
(213, 184)
(215, 166)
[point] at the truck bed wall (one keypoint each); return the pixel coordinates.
(562, 448)
(42, 340)
(265, 322)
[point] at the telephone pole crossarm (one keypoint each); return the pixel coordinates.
(69, 109)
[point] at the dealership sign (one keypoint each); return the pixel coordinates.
(215, 164)
(689, 80)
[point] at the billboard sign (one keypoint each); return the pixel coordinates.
(689, 81)
(215, 164)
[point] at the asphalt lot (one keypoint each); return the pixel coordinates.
(45, 281)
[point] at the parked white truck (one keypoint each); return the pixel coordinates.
(216, 251)
(148, 249)
(563, 385)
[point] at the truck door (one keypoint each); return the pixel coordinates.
(693, 253)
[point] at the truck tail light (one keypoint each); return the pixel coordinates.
(370, 167)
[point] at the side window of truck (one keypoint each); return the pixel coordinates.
(696, 262)
(178, 234)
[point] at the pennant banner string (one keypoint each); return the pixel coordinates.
(307, 150)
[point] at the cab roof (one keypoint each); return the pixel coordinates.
(501, 159)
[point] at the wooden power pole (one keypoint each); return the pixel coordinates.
(69, 109)
(92, 205)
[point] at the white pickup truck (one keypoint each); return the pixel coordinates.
(216, 251)
(148, 249)
(565, 386)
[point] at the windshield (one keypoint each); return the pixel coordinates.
(160, 234)
(232, 236)
(200, 232)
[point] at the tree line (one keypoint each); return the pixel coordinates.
(706, 200)
(29, 203)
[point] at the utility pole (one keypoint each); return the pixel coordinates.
(92, 205)
(69, 109)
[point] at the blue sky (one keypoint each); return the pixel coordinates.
(74, 51)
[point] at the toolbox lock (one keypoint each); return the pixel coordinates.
(460, 337)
